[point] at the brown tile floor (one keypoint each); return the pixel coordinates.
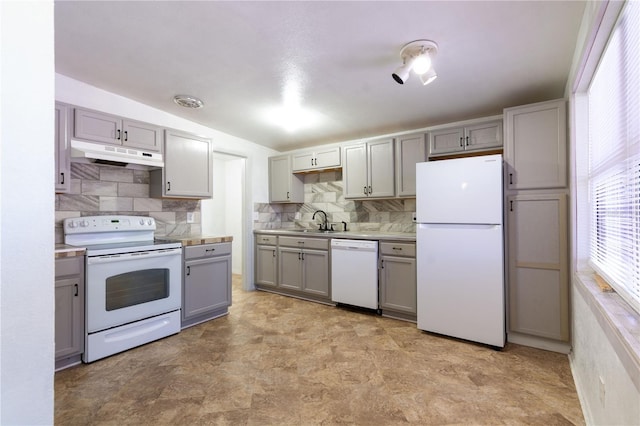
(279, 360)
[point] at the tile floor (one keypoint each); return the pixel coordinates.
(276, 360)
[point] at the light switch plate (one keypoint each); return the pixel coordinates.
(190, 217)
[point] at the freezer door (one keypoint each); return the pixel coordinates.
(462, 190)
(461, 282)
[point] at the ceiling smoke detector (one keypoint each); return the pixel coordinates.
(188, 101)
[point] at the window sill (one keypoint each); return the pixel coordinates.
(618, 320)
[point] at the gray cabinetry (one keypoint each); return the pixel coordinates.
(536, 145)
(410, 149)
(538, 266)
(472, 137)
(304, 265)
(62, 166)
(398, 280)
(188, 167)
(317, 160)
(110, 129)
(69, 310)
(206, 291)
(266, 260)
(536, 224)
(284, 186)
(368, 169)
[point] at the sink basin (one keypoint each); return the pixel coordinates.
(309, 231)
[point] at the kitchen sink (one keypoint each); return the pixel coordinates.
(310, 231)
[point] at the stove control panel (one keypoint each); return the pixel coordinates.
(90, 224)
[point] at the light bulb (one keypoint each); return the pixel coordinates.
(422, 63)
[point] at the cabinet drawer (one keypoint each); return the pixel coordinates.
(69, 266)
(398, 249)
(207, 250)
(307, 243)
(269, 240)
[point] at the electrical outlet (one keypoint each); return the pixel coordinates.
(297, 216)
(413, 218)
(190, 217)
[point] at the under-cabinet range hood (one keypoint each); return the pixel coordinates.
(114, 155)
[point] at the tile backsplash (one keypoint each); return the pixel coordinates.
(103, 190)
(323, 191)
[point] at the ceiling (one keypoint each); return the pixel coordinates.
(335, 58)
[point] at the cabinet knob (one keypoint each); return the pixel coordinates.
(510, 178)
(62, 181)
(461, 145)
(126, 135)
(118, 137)
(76, 288)
(188, 270)
(467, 141)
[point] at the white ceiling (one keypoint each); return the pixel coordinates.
(238, 57)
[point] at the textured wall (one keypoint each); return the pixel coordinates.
(323, 191)
(102, 190)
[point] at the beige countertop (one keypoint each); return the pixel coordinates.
(63, 250)
(195, 240)
(356, 235)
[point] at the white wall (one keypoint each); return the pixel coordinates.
(26, 213)
(602, 370)
(78, 93)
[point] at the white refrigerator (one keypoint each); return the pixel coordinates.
(460, 248)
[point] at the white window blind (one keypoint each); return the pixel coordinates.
(614, 158)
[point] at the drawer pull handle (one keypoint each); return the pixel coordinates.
(397, 248)
(188, 270)
(76, 288)
(208, 250)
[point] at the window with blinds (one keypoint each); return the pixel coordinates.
(614, 159)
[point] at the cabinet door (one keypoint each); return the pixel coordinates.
(188, 166)
(266, 265)
(355, 171)
(284, 186)
(446, 141)
(483, 136)
(141, 135)
(538, 267)
(62, 170)
(536, 145)
(410, 149)
(329, 157)
(206, 286)
(304, 161)
(97, 127)
(381, 174)
(69, 321)
(290, 270)
(398, 284)
(315, 264)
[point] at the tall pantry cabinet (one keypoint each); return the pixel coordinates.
(536, 225)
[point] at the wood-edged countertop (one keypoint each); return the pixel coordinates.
(64, 250)
(354, 235)
(196, 240)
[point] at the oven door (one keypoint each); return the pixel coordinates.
(122, 288)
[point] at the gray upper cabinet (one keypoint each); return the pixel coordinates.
(284, 186)
(410, 149)
(536, 145)
(62, 166)
(317, 160)
(470, 138)
(110, 129)
(69, 310)
(368, 169)
(188, 167)
(538, 265)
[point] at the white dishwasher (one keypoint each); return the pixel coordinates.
(354, 272)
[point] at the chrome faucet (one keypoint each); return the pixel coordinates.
(325, 226)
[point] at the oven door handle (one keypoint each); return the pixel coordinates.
(141, 255)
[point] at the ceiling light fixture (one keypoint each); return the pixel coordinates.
(417, 56)
(188, 101)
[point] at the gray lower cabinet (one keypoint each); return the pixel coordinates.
(538, 265)
(293, 266)
(206, 285)
(69, 310)
(266, 258)
(397, 283)
(304, 269)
